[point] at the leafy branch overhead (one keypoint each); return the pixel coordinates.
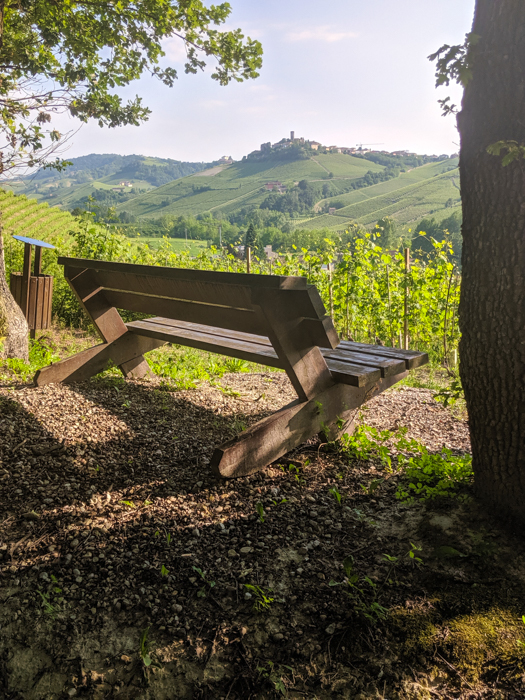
(454, 63)
(73, 56)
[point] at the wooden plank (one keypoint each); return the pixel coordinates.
(206, 314)
(48, 296)
(211, 330)
(354, 375)
(288, 428)
(303, 362)
(306, 302)
(104, 315)
(230, 295)
(346, 421)
(319, 332)
(412, 358)
(388, 367)
(31, 302)
(247, 347)
(126, 350)
(190, 275)
(232, 347)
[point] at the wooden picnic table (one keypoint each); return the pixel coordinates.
(277, 321)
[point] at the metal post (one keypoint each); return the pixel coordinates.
(38, 261)
(220, 236)
(26, 276)
(248, 259)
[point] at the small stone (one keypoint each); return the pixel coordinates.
(78, 579)
(232, 554)
(196, 532)
(278, 637)
(330, 629)
(31, 516)
(73, 543)
(76, 572)
(51, 548)
(246, 550)
(93, 611)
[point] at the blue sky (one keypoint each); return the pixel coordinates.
(341, 72)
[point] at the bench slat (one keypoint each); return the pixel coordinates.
(412, 358)
(190, 275)
(388, 367)
(225, 345)
(232, 319)
(235, 296)
(253, 348)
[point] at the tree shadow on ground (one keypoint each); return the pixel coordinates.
(112, 524)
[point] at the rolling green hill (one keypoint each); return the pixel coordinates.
(103, 172)
(22, 216)
(226, 189)
(431, 189)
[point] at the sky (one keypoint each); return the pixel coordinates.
(342, 72)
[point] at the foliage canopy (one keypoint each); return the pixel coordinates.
(73, 56)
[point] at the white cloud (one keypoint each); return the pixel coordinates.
(323, 33)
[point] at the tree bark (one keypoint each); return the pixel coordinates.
(492, 308)
(13, 326)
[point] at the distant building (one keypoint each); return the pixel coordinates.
(314, 145)
(275, 185)
(126, 183)
(332, 210)
(265, 147)
(226, 160)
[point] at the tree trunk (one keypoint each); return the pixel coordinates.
(13, 326)
(492, 309)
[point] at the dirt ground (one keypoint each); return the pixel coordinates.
(128, 571)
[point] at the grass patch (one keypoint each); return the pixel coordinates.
(477, 645)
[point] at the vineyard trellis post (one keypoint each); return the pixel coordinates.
(248, 259)
(407, 271)
(392, 342)
(330, 289)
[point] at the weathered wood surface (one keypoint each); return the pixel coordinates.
(106, 320)
(288, 428)
(275, 321)
(223, 345)
(302, 361)
(354, 369)
(127, 352)
(189, 275)
(412, 358)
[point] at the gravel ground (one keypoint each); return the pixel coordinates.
(112, 528)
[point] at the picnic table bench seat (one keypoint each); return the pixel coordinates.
(277, 321)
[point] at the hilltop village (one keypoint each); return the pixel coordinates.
(312, 147)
